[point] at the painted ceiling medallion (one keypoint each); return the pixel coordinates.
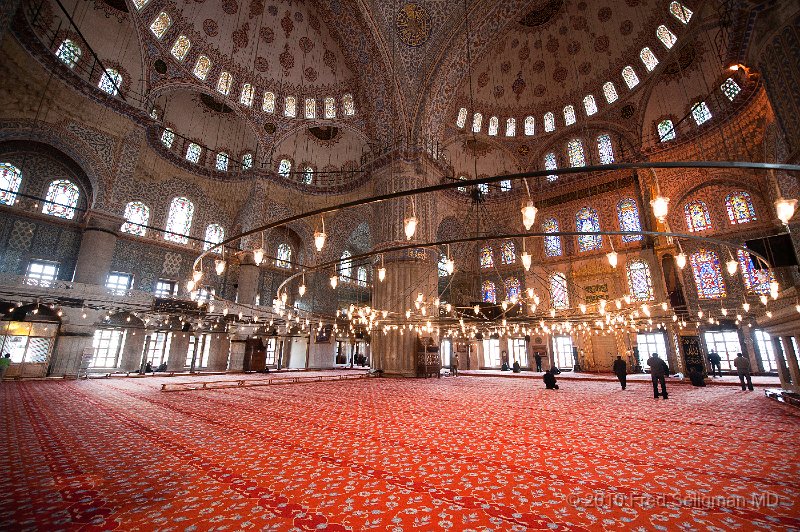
(542, 13)
(413, 24)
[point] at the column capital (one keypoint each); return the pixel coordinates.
(103, 221)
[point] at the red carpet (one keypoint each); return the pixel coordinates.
(453, 454)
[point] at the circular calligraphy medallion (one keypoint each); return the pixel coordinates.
(413, 24)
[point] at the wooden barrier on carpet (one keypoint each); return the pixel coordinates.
(248, 383)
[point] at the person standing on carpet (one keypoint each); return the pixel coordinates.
(6, 361)
(743, 369)
(454, 365)
(658, 372)
(621, 371)
(549, 380)
(716, 363)
(538, 358)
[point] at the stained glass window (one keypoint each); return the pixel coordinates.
(330, 107)
(361, 276)
(630, 77)
(589, 105)
(707, 274)
(441, 265)
(308, 175)
(202, 67)
(284, 256)
(110, 82)
(730, 88)
(756, 281)
(193, 152)
(666, 37)
(181, 47)
(348, 105)
(569, 115)
(610, 92)
(575, 151)
(179, 220)
(62, 198)
(268, 106)
(697, 216)
(462, 178)
(10, 181)
(214, 235)
(666, 131)
(247, 95)
(586, 221)
(493, 125)
(701, 113)
(222, 162)
(512, 288)
(550, 164)
(487, 258)
(680, 12)
(167, 138)
(508, 254)
(740, 208)
(477, 122)
(461, 120)
(639, 281)
(628, 215)
(69, 53)
(489, 294)
(530, 126)
(552, 244)
(225, 83)
(648, 58)
(284, 168)
(505, 185)
(605, 149)
(161, 24)
(559, 296)
(511, 127)
(549, 122)
(140, 4)
(311, 108)
(290, 107)
(137, 215)
(346, 265)
(483, 188)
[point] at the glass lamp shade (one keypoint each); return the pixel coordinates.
(613, 258)
(319, 240)
(528, 215)
(196, 276)
(526, 260)
(301, 290)
(334, 281)
(381, 274)
(449, 266)
(219, 266)
(746, 307)
(680, 260)
(731, 266)
(774, 288)
(258, 256)
(784, 208)
(284, 297)
(660, 206)
(190, 285)
(410, 227)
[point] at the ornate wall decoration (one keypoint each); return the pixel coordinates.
(518, 86)
(240, 37)
(210, 27)
(413, 24)
(541, 14)
(626, 27)
(256, 9)
(286, 59)
(266, 34)
(287, 24)
(306, 44)
(230, 7)
(261, 64)
(310, 74)
(604, 14)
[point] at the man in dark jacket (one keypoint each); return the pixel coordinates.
(538, 358)
(743, 369)
(621, 371)
(658, 372)
(550, 380)
(716, 363)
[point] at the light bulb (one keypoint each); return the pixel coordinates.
(504, 304)
(774, 289)
(258, 256)
(746, 307)
(449, 266)
(613, 258)
(528, 215)
(190, 284)
(381, 274)
(530, 292)
(724, 312)
(225, 311)
(476, 309)
(410, 226)
(784, 208)
(660, 206)
(197, 275)
(680, 260)
(763, 299)
(301, 290)
(526, 260)
(334, 281)
(583, 308)
(319, 240)
(664, 306)
(536, 299)
(731, 265)
(769, 313)
(797, 308)
(219, 266)
(284, 297)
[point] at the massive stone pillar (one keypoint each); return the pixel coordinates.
(178, 348)
(97, 248)
(249, 275)
(791, 360)
(131, 359)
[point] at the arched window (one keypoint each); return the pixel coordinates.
(10, 181)
(559, 295)
(586, 221)
(610, 92)
(284, 256)
(701, 113)
(290, 107)
(311, 108)
(161, 24)
(707, 274)
(697, 216)
(740, 208)
(247, 161)
(550, 164)
(639, 281)
(69, 53)
(181, 47)
(755, 280)
(137, 215)
(214, 235)
(666, 37)
(648, 58)
(224, 83)
(508, 254)
(441, 265)
(489, 294)
(605, 149)
(349, 105)
(330, 107)
(477, 122)
(461, 119)
(569, 115)
(505, 185)
(486, 258)
(110, 82)
(575, 152)
(511, 127)
(530, 126)
(268, 105)
(193, 152)
(483, 188)
(167, 138)
(308, 175)
(666, 131)
(222, 162)
(628, 215)
(247, 95)
(630, 77)
(549, 122)
(552, 244)
(513, 289)
(680, 12)
(493, 125)
(284, 167)
(179, 220)
(361, 276)
(730, 88)
(202, 67)
(62, 198)
(346, 266)
(589, 105)
(140, 4)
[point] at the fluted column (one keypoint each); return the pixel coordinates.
(97, 248)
